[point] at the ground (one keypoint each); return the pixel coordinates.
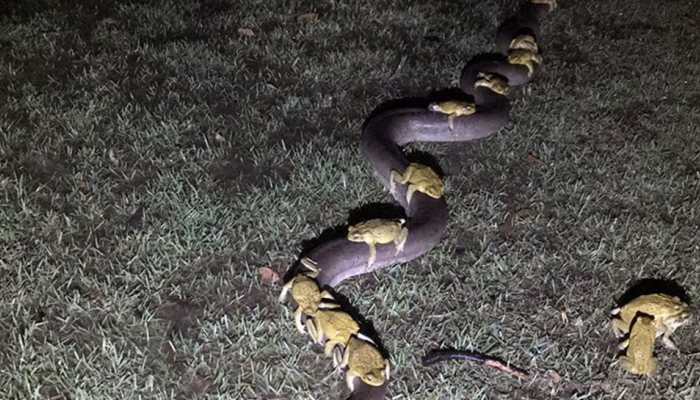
(154, 157)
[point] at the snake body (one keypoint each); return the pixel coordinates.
(385, 133)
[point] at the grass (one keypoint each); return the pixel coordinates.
(153, 157)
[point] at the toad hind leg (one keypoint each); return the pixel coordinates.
(349, 375)
(285, 290)
(409, 193)
(328, 306)
(350, 380)
(619, 327)
(314, 331)
(387, 368)
(625, 363)
(395, 177)
(297, 321)
(311, 265)
(329, 348)
(623, 345)
(668, 342)
(400, 241)
(364, 337)
(338, 356)
(372, 255)
(451, 122)
(327, 295)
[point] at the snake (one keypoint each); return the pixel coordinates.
(385, 133)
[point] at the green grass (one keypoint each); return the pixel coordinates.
(152, 158)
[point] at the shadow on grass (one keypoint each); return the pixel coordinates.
(426, 159)
(307, 245)
(653, 285)
(375, 210)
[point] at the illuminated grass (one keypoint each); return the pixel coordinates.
(152, 157)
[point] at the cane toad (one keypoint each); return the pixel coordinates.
(669, 313)
(305, 292)
(526, 58)
(493, 82)
(524, 42)
(379, 231)
(420, 178)
(453, 109)
(364, 361)
(332, 326)
(639, 358)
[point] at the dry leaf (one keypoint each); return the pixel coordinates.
(308, 18)
(533, 159)
(199, 384)
(268, 275)
(246, 32)
(554, 376)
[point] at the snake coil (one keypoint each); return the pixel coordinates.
(487, 81)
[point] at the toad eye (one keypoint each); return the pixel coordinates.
(374, 378)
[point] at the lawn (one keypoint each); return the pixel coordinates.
(155, 155)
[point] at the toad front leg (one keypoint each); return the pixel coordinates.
(619, 327)
(400, 241)
(372, 254)
(666, 338)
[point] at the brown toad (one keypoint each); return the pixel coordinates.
(639, 358)
(669, 313)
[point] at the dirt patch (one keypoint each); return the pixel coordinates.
(84, 13)
(181, 314)
(142, 174)
(189, 36)
(629, 120)
(47, 170)
(194, 387)
(625, 31)
(237, 175)
(254, 299)
(565, 49)
(59, 68)
(54, 392)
